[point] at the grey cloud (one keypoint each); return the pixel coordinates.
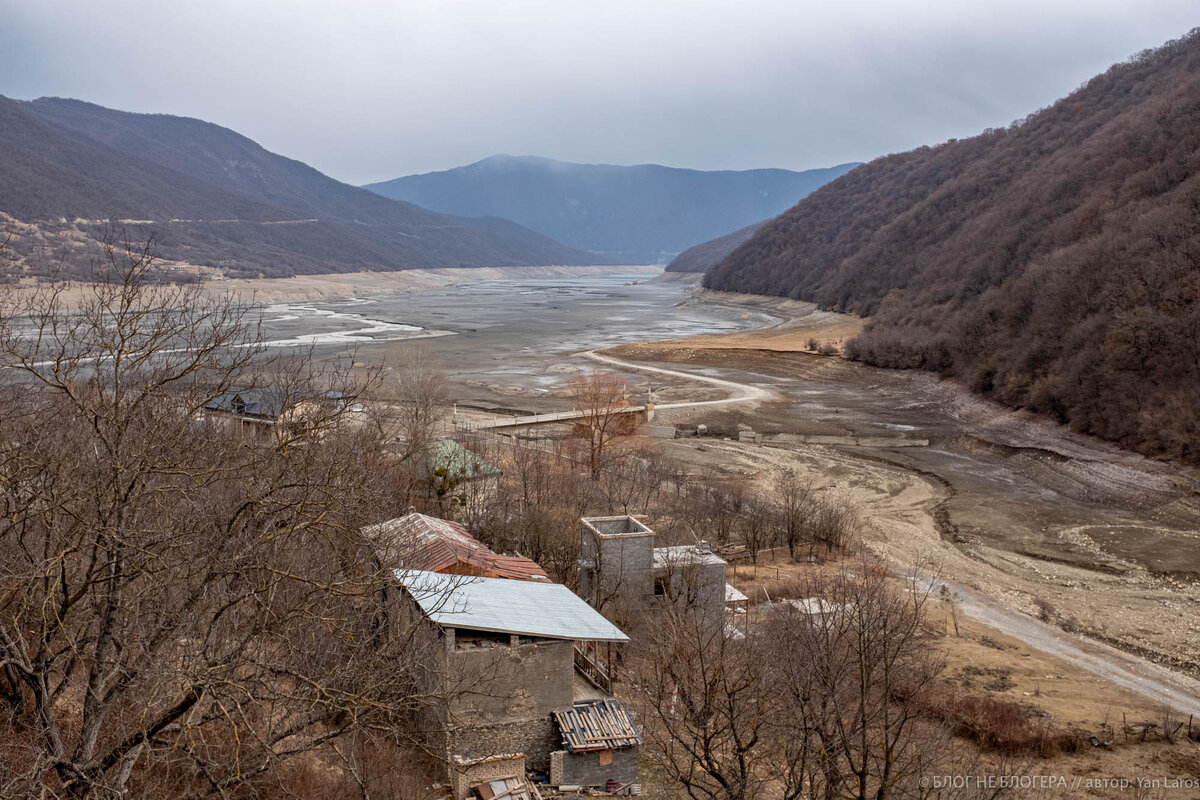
(372, 89)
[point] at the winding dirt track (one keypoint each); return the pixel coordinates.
(1144, 677)
(745, 392)
(1158, 683)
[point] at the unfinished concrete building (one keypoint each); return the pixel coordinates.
(616, 561)
(620, 568)
(508, 665)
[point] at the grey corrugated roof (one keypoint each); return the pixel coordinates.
(506, 606)
(685, 555)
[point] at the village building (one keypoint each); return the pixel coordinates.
(511, 669)
(621, 571)
(250, 409)
(272, 410)
(457, 476)
(421, 542)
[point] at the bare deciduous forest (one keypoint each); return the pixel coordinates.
(1051, 265)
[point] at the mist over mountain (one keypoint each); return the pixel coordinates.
(214, 197)
(639, 214)
(1053, 265)
(706, 255)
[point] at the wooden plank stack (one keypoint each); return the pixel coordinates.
(597, 725)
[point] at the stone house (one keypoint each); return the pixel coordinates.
(505, 669)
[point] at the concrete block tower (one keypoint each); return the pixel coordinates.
(616, 563)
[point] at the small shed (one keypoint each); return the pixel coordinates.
(600, 746)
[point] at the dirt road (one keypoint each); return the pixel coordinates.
(743, 392)
(1023, 514)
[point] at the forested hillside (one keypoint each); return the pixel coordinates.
(643, 214)
(706, 255)
(1053, 265)
(214, 197)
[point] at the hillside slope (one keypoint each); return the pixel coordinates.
(640, 214)
(212, 196)
(1054, 265)
(706, 255)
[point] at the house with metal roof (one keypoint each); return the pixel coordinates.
(418, 541)
(509, 655)
(496, 605)
(622, 572)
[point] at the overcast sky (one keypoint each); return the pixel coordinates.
(368, 90)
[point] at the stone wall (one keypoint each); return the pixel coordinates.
(499, 682)
(585, 769)
(700, 588)
(616, 566)
(465, 774)
(509, 692)
(536, 738)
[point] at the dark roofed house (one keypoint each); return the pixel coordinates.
(276, 410)
(264, 405)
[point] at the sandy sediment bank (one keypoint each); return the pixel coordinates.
(358, 284)
(680, 277)
(799, 325)
(333, 286)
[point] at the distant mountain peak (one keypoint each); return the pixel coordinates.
(645, 213)
(214, 197)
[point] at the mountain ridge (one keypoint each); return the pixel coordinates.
(1051, 265)
(640, 213)
(217, 198)
(706, 255)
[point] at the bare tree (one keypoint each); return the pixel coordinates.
(856, 668)
(415, 401)
(834, 524)
(796, 507)
(709, 707)
(602, 398)
(757, 525)
(181, 610)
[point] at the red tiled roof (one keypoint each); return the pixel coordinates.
(417, 541)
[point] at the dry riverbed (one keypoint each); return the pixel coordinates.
(1092, 538)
